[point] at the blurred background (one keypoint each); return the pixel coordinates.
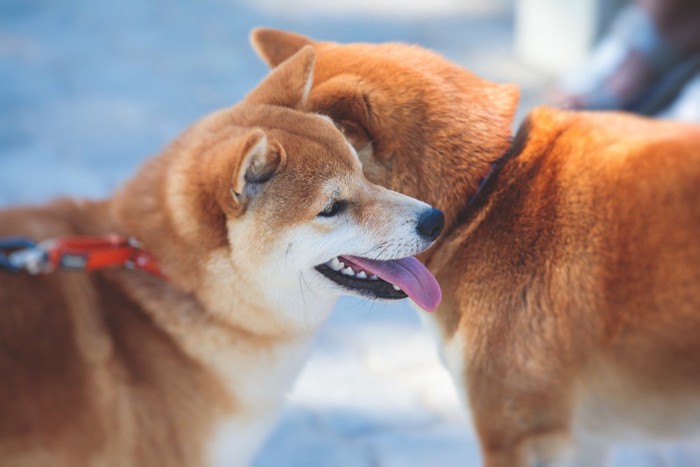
(90, 88)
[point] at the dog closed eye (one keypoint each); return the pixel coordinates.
(334, 208)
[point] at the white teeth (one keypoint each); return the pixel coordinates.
(396, 287)
(335, 264)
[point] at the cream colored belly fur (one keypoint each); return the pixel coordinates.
(259, 397)
(258, 376)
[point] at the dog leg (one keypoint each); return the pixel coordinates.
(552, 450)
(503, 458)
(525, 423)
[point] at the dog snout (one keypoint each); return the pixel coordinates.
(430, 223)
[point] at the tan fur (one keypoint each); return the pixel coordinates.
(574, 287)
(120, 368)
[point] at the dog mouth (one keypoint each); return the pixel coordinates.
(389, 279)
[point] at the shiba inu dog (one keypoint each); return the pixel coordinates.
(570, 262)
(259, 217)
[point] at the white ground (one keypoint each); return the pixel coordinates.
(89, 88)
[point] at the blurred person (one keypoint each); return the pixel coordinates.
(650, 57)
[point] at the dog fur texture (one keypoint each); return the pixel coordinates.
(571, 309)
(121, 368)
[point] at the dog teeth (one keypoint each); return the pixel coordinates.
(338, 266)
(396, 287)
(335, 264)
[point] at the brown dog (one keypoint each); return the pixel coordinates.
(246, 214)
(571, 315)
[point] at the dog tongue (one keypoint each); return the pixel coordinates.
(409, 274)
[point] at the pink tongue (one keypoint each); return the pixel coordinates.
(409, 274)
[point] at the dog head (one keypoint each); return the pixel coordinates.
(415, 119)
(270, 201)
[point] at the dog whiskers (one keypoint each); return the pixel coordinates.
(286, 255)
(369, 143)
(381, 253)
(303, 297)
(301, 275)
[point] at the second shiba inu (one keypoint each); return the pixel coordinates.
(570, 261)
(259, 217)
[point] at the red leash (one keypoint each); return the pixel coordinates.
(77, 253)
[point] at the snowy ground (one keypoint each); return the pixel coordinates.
(89, 88)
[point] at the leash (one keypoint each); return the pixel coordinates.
(74, 253)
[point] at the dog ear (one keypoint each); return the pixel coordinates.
(260, 159)
(502, 104)
(343, 99)
(289, 84)
(275, 46)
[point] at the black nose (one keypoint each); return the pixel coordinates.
(430, 223)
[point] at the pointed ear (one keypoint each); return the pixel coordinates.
(343, 99)
(259, 161)
(275, 46)
(289, 84)
(503, 99)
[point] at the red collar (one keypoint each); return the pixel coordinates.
(84, 253)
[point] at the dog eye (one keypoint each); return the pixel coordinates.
(336, 207)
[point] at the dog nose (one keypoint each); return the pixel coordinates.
(430, 223)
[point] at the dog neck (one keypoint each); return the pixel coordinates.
(252, 371)
(184, 316)
(489, 181)
(479, 193)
